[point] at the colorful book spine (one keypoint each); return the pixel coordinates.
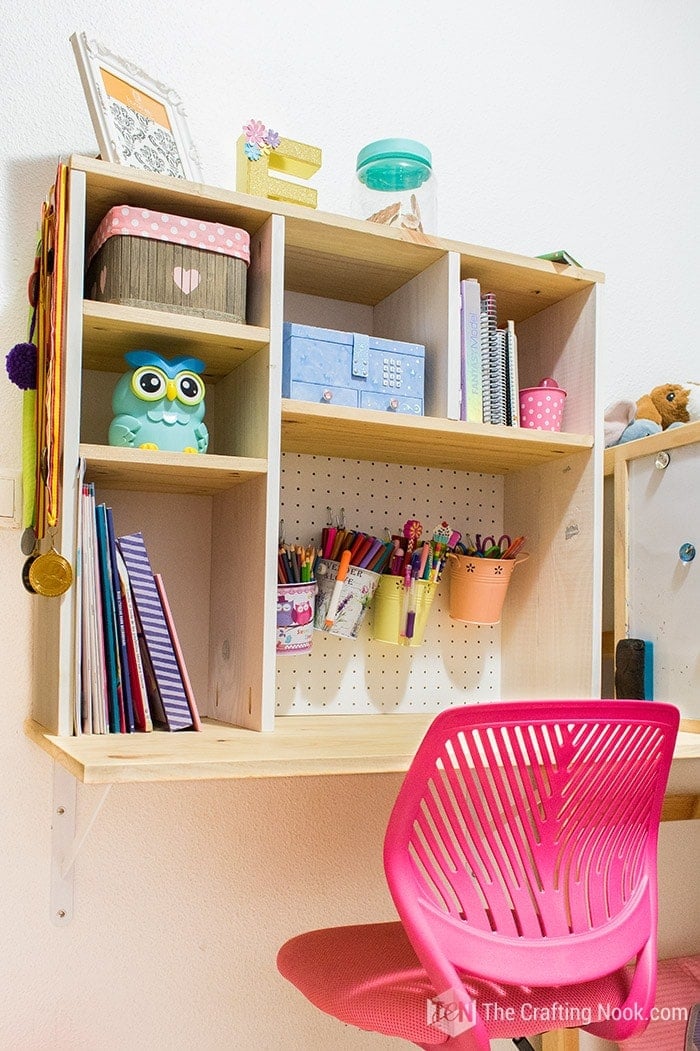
(472, 390)
(182, 665)
(117, 722)
(79, 705)
(155, 631)
(489, 356)
(93, 663)
(513, 381)
(499, 402)
(155, 701)
(137, 676)
(125, 676)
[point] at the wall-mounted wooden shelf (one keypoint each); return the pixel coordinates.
(272, 460)
(336, 256)
(299, 746)
(653, 443)
(163, 472)
(110, 329)
(358, 434)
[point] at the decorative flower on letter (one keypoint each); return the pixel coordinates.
(259, 139)
(254, 132)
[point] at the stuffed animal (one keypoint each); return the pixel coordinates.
(668, 405)
(665, 405)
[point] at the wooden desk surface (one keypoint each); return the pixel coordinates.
(300, 746)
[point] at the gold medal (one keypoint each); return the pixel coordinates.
(50, 574)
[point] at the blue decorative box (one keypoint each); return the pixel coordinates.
(349, 368)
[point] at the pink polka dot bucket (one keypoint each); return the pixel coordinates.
(541, 407)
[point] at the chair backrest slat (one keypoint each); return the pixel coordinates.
(525, 823)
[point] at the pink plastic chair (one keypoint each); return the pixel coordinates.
(521, 856)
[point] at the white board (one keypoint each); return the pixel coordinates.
(664, 591)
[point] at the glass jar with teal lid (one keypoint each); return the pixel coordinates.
(395, 185)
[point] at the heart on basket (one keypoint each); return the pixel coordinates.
(186, 280)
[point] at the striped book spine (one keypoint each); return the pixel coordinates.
(156, 634)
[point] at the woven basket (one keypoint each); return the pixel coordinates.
(148, 259)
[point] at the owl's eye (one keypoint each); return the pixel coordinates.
(149, 383)
(190, 388)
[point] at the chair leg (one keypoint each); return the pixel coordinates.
(560, 1040)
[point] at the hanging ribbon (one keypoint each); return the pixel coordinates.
(50, 349)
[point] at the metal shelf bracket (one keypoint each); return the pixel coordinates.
(65, 844)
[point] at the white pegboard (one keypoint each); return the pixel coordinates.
(457, 663)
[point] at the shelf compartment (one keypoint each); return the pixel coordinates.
(523, 286)
(300, 746)
(358, 434)
(109, 330)
(335, 256)
(346, 260)
(109, 185)
(361, 262)
(144, 470)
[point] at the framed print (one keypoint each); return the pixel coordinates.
(137, 121)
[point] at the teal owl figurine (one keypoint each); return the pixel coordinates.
(160, 404)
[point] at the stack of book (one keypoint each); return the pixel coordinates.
(129, 661)
(489, 360)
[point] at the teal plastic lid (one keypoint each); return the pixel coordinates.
(394, 149)
(394, 164)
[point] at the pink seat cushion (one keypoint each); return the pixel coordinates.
(369, 976)
(677, 986)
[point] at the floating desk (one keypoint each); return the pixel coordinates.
(300, 746)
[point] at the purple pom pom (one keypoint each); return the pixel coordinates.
(21, 365)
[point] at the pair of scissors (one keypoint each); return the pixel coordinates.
(514, 548)
(489, 548)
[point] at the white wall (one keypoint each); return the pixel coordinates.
(552, 125)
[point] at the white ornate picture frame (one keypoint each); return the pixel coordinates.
(138, 121)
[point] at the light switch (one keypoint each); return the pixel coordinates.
(10, 498)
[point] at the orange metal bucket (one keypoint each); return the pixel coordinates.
(478, 587)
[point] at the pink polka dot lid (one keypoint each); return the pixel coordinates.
(541, 407)
(147, 222)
